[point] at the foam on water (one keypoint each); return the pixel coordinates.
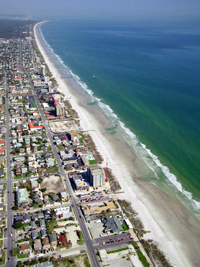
(151, 160)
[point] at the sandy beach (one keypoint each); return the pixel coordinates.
(171, 225)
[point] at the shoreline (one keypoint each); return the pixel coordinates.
(142, 194)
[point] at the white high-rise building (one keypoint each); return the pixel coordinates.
(43, 70)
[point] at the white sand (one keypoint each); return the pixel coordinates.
(151, 218)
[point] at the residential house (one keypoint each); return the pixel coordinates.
(24, 248)
(45, 243)
(62, 239)
(33, 225)
(19, 218)
(34, 234)
(27, 228)
(34, 216)
(27, 218)
(37, 245)
(40, 215)
(43, 232)
(53, 240)
(74, 136)
(42, 224)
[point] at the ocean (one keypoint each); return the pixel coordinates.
(146, 80)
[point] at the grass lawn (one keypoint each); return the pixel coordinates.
(118, 250)
(140, 255)
(92, 162)
(51, 225)
(81, 240)
(81, 137)
(124, 226)
(2, 259)
(23, 256)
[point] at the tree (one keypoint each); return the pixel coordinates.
(15, 207)
(34, 261)
(43, 190)
(20, 264)
(15, 251)
(18, 225)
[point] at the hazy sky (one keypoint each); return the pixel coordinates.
(103, 9)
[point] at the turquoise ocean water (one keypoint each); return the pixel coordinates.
(149, 78)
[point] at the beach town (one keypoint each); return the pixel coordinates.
(63, 197)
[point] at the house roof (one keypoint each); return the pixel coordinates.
(2, 150)
(22, 195)
(1, 142)
(42, 223)
(43, 232)
(34, 234)
(35, 126)
(27, 216)
(52, 237)
(62, 238)
(113, 224)
(37, 244)
(45, 241)
(24, 246)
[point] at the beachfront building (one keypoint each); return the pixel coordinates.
(56, 99)
(112, 224)
(60, 110)
(96, 176)
(43, 70)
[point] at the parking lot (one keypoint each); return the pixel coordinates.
(96, 229)
(109, 241)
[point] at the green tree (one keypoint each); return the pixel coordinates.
(18, 225)
(15, 251)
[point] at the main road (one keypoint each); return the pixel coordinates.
(10, 258)
(88, 241)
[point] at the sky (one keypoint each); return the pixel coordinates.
(103, 9)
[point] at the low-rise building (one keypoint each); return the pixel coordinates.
(53, 240)
(113, 224)
(45, 243)
(22, 197)
(37, 245)
(24, 248)
(80, 183)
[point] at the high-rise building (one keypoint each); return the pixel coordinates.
(56, 99)
(96, 176)
(60, 110)
(43, 70)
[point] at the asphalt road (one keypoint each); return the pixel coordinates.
(88, 241)
(11, 260)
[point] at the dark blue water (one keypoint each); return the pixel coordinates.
(149, 76)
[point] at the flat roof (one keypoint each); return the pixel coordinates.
(22, 195)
